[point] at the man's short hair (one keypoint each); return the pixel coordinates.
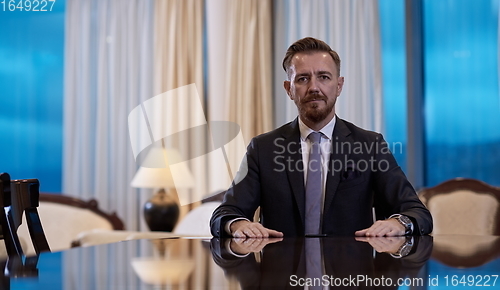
(309, 45)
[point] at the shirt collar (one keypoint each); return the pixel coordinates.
(327, 130)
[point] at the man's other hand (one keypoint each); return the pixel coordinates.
(246, 229)
(383, 228)
(389, 245)
(244, 246)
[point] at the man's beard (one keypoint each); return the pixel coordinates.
(313, 113)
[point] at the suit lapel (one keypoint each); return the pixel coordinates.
(339, 137)
(294, 165)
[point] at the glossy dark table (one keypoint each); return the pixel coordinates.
(440, 262)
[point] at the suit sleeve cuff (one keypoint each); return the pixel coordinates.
(227, 227)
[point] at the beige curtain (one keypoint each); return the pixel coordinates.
(108, 71)
(178, 44)
(249, 66)
(239, 76)
(178, 62)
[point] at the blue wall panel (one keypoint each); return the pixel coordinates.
(392, 31)
(462, 102)
(31, 94)
(31, 105)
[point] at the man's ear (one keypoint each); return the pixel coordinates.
(286, 85)
(340, 85)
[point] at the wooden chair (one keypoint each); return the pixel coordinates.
(20, 199)
(25, 194)
(466, 207)
(64, 217)
(91, 205)
(463, 206)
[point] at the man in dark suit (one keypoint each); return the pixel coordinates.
(329, 193)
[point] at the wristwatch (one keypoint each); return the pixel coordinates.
(405, 221)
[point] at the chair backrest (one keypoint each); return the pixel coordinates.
(463, 206)
(91, 205)
(64, 217)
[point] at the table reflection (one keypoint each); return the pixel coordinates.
(18, 267)
(350, 262)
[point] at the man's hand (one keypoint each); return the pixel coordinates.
(246, 229)
(385, 228)
(245, 246)
(389, 245)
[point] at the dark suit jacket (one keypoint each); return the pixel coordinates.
(362, 174)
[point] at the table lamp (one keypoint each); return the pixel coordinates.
(161, 211)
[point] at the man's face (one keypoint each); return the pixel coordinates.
(314, 87)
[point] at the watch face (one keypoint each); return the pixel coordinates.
(405, 250)
(405, 220)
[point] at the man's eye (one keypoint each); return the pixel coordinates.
(302, 79)
(324, 77)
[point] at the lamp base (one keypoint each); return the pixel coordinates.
(161, 212)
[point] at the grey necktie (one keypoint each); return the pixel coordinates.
(314, 262)
(314, 186)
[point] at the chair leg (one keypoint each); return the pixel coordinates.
(10, 237)
(36, 231)
(9, 234)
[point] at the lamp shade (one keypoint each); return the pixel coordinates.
(153, 178)
(162, 169)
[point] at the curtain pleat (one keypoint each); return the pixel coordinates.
(108, 72)
(178, 63)
(239, 47)
(249, 66)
